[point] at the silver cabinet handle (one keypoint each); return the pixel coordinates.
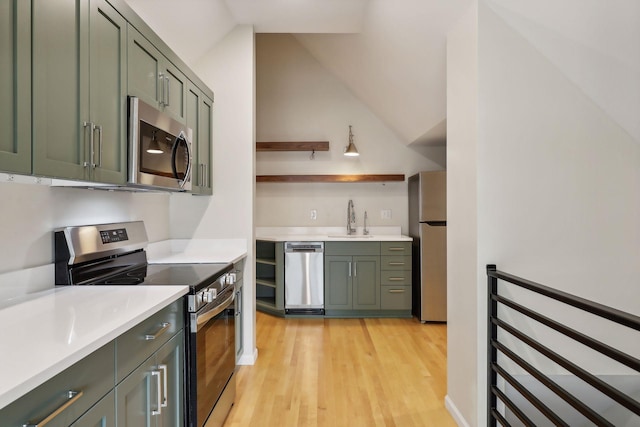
(396, 263)
(165, 400)
(396, 279)
(202, 175)
(159, 410)
(239, 309)
(99, 129)
(91, 127)
(73, 397)
(162, 83)
(355, 269)
(168, 92)
(162, 330)
(396, 291)
(396, 249)
(349, 268)
(206, 175)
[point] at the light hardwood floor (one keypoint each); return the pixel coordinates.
(344, 372)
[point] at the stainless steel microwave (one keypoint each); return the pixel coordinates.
(160, 151)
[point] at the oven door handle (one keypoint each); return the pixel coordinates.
(203, 318)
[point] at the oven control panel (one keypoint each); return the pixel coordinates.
(113, 236)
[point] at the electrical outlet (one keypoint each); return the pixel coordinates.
(385, 214)
(314, 214)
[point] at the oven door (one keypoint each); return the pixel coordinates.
(213, 344)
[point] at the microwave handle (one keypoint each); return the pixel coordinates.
(187, 174)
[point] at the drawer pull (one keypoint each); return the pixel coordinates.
(396, 279)
(396, 263)
(162, 330)
(73, 396)
(396, 249)
(396, 291)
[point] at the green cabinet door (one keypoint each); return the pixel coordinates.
(198, 119)
(143, 68)
(338, 282)
(170, 363)
(102, 414)
(204, 145)
(136, 397)
(60, 82)
(153, 394)
(175, 92)
(108, 93)
(193, 123)
(152, 78)
(79, 90)
(15, 86)
(366, 283)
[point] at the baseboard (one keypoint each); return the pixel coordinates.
(453, 410)
(248, 358)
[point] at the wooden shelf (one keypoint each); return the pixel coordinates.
(270, 282)
(293, 146)
(266, 261)
(329, 178)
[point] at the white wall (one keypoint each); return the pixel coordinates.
(462, 294)
(558, 164)
(299, 100)
(29, 213)
(229, 70)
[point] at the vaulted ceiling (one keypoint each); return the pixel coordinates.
(390, 54)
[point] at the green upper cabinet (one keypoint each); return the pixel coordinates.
(154, 79)
(79, 90)
(108, 92)
(199, 109)
(15, 86)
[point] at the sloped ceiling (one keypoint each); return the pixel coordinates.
(390, 54)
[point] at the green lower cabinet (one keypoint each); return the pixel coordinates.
(352, 282)
(102, 414)
(142, 399)
(395, 272)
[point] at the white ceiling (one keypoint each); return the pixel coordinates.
(390, 53)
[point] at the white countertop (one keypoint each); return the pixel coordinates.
(328, 234)
(46, 332)
(196, 251)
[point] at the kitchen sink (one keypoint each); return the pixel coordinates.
(349, 236)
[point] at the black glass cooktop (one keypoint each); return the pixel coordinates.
(196, 276)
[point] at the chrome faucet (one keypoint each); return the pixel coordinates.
(365, 230)
(351, 219)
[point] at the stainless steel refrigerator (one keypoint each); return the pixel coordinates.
(428, 227)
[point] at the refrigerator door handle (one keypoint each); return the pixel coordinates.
(436, 223)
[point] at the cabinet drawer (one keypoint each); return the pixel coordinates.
(395, 297)
(352, 248)
(136, 345)
(91, 378)
(395, 262)
(395, 248)
(395, 277)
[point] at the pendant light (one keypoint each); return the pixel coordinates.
(351, 150)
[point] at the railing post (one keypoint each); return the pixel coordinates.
(492, 352)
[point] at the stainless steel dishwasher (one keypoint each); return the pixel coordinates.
(304, 277)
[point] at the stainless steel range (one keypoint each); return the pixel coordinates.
(114, 254)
